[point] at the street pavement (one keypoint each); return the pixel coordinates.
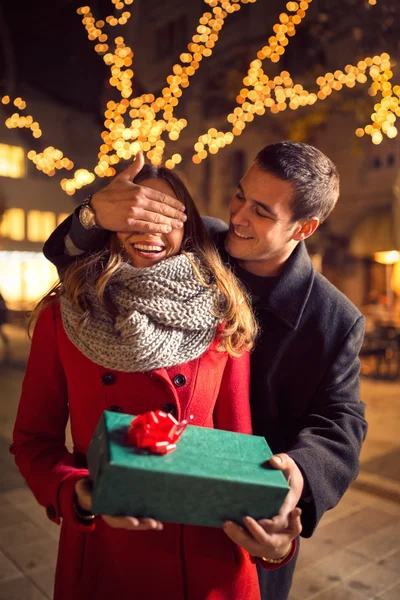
(354, 554)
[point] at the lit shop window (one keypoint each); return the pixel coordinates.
(12, 224)
(41, 225)
(24, 278)
(12, 161)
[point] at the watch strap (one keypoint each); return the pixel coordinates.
(87, 200)
(87, 216)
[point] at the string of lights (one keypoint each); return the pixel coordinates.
(135, 124)
(281, 92)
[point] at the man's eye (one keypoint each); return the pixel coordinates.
(262, 214)
(239, 196)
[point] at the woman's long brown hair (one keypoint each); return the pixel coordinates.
(234, 310)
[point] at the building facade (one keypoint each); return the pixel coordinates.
(344, 247)
(32, 203)
(159, 32)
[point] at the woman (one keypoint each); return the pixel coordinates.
(153, 321)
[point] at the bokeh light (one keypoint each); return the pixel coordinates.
(134, 124)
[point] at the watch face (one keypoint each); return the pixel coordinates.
(87, 218)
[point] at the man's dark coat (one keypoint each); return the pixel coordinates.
(304, 377)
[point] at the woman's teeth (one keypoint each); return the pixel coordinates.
(147, 248)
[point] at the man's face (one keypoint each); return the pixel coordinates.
(261, 232)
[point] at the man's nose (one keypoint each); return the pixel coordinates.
(239, 215)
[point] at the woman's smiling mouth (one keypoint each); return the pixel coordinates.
(148, 250)
(149, 247)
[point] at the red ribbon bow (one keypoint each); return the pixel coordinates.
(156, 430)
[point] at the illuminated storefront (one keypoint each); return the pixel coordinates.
(12, 224)
(24, 278)
(12, 161)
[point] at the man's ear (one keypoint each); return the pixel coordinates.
(305, 229)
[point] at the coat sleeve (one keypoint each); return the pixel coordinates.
(39, 431)
(71, 240)
(328, 445)
(232, 407)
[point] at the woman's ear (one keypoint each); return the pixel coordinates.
(306, 229)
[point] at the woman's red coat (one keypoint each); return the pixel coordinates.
(178, 563)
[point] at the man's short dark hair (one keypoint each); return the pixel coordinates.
(313, 175)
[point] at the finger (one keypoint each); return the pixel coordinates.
(267, 525)
(288, 505)
(281, 462)
(241, 537)
(130, 172)
(121, 522)
(161, 199)
(143, 226)
(150, 524)
(256, 530)
(144, 195)
(83, 490)
(292, 498)
(294, 477)
(265, 540)
(143, 525)
(278, 524)
(83, 486)
(296, 513)
(145, 221)
(289, 468)
(295, 526)
(171, 201)
(283, 523)
(238, 535)
(157, 217)
(152, 202)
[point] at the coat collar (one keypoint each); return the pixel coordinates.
(289, 297)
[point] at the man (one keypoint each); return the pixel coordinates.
(305, 368)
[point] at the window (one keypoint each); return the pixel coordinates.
(391, 159)
(376, 162)
(12, 225)
(41, 225)
(12, 161)
(24, 278)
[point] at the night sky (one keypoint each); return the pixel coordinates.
(52, 52)
(50, 48)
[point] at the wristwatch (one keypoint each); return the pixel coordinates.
(87, 215)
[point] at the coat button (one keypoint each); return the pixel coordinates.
(179, 380)
(108, 378)
(171, 409)
(51, 511)
(115, 408)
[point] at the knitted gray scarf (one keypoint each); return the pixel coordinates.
(164, 318)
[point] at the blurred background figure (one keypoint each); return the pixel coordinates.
(4, 340)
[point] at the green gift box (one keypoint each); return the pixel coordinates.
(211, 477)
